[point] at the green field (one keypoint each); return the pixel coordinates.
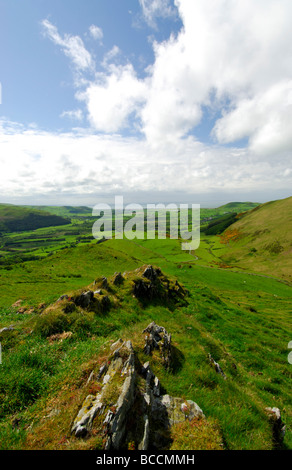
(39, 241)
(242, 319)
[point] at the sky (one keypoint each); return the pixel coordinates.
(160, 101)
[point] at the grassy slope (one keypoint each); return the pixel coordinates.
(24, 245)
(264, 245)
(242, 320)
(11, 214)
(65, 211)
(238, 206)
(228, 208)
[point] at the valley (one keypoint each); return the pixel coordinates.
(236, 308)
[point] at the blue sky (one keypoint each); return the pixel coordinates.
(36, 78)
(156, 100)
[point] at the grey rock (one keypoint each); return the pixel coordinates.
(102, 282)
(151, 273)
(156, 387)
(175, 410)
(216, 367)
(117, 279)
(145, 440)
(157, 338)
(102, 371)
(82, 423)
(134, 409)
(84, 299)
(125, 401)
(91, 377)
(117, 344)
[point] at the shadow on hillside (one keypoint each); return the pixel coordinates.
(177, 360)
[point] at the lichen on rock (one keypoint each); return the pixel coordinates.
(156, 337)
(129, 407)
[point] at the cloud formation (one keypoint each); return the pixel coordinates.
(96, 32)
(229, 59)
(72, 46)
(232, 58)
(113, 98)
(58, 165)
(230, 63)
(153, 9)
(75, 114)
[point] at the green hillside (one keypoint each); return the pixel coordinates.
(65, 211)
(60, 314)
(20, 218)
(261, 240)
(238, 206)
(50, 348)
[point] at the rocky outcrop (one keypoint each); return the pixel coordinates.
(146, 283)
(112, 403)
(150, 284)
(157, 338)
(129, 405)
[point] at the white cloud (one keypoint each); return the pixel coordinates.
(76, 114)
(110, 55)
(153, 9)
(113, 98)
(72, 46)
(96, 32)
(233, 58)
(265, 118)
(34, 163)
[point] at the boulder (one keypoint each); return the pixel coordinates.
(84, 300)
(117, 279)
(175, 410)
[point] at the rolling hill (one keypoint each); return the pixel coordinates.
(261, 240)
(20, 218)
(66, 211)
